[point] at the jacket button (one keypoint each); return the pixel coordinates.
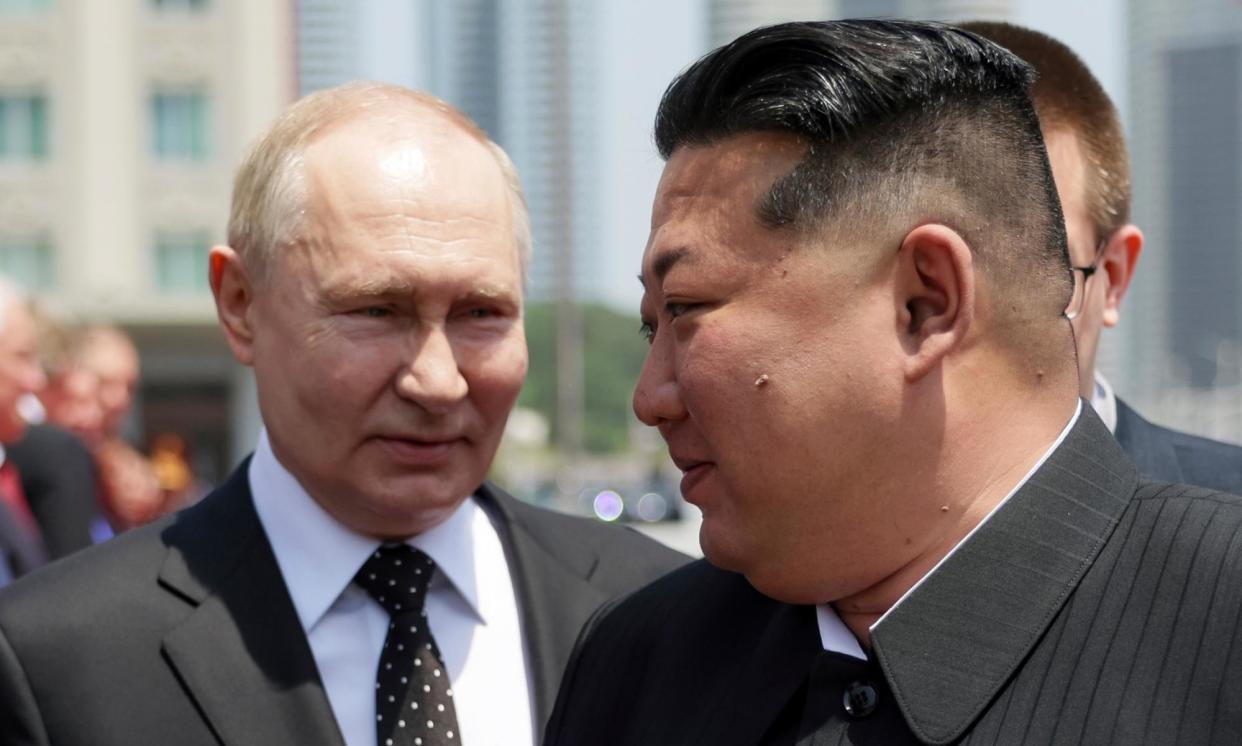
(861, 699)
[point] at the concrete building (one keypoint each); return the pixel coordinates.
(1183, 324)
(120, 125)
(728, 19)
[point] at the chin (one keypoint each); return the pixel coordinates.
(399, 519)
(721, 551)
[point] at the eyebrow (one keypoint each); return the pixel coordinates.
(385, 287)
(375, 287)
(664, 262)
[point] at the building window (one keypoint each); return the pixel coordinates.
(23, 127)
(28, 261)
(23, 6)
(181, 261)
(179, 126)
(178, 5)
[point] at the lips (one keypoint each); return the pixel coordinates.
(694, 472)
(420, 451)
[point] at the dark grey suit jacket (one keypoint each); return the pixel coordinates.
(1094, 607)
(183, 632)
(59, 479)
(1172, 456)
(20, 550)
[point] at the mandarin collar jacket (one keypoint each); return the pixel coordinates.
(1093, 607)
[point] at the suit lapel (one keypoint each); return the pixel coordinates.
(950, 646)
(551, 579)
(241, 653)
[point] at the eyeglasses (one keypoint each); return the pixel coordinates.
(1081, 276)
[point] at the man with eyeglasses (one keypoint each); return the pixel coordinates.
(1091, 167)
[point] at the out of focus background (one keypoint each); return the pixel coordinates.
(121, 122)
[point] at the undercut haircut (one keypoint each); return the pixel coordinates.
(904, 123)
(1068, 97)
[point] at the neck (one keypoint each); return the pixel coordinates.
(993, 451)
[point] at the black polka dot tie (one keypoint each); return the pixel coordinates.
(413, 696)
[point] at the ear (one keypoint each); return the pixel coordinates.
(1117, 262)
(935, 287)
(234, 293)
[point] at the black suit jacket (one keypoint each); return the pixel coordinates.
(58, 476)
(183, 632)
(1094, 607)
(1172, 456)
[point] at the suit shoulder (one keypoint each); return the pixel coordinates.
(696, 593)
(1207, 462)
(126, 569)
(1157, 491)
(108, 575)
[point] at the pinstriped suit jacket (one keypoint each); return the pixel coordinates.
(1095, 607)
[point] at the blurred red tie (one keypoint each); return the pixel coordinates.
(14, 497)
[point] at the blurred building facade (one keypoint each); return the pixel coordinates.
(120, 125)
(1182, 348)
(728, 19)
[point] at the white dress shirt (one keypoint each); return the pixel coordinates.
(470, 606)
(836, 637)
(1104, 402)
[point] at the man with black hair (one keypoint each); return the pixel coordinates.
(1087, 150)
(915, 532)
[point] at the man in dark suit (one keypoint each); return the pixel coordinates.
(1091, 165)
(21, 542)
(355, 581)
(915, 530)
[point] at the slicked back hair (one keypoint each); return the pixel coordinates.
(1067, 96)
(904, 122)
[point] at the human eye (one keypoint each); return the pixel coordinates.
(373, 312)
(647, 330)
(675, 309)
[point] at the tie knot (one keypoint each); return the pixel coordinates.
(396, 576)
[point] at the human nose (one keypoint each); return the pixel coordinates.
(432, 378)
(657, 396)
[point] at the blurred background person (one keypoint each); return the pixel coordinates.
(1091, 166)
(130, 489)
(21, 543)
(57, 469)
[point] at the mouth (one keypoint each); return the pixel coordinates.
(693, 473)
(421, 450)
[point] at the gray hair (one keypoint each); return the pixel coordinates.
(269, 193)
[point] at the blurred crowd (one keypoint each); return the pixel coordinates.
(69, 476)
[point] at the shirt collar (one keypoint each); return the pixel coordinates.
(837, 638)
(452, 545)
(1104, 402)
(318, 557)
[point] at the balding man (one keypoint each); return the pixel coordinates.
(356, 581)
